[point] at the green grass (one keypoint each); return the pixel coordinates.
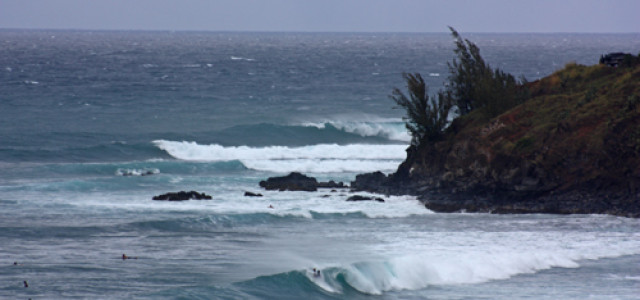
(581, 122)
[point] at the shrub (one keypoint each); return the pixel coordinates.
(426, 117)
(473, 84)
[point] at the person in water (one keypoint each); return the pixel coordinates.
(124, 256)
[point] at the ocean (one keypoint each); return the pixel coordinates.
(93, 124)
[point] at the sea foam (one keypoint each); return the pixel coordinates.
(316, 158)
(391, 129)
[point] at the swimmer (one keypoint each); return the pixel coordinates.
(26, 284)
(124, 256)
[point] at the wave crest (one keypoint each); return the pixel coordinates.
(315, 158)
(414, 272)
(392, 130)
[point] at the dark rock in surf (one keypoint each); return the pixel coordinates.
(292, 182)
(331, 185)
(364, 198)
(298, 182)
(250, 194)
(369, 181)
(182, 196)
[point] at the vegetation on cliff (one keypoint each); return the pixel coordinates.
(426, 116)
(473, 85)
(572, 146)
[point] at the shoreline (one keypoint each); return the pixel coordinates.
(438, 199)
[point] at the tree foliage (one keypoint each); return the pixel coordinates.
(426, 117)
(473, 84)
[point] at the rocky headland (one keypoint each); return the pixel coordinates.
(572, 147)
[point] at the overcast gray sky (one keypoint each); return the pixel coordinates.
(326, 15)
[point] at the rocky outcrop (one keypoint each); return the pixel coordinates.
(297, 182)
(182, 196)
(250, 194)
(574, 147)
(292, 182)
(571, 202)
(331, 185)
(369, 181)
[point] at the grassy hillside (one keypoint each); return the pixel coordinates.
(579, 133)
(582, 125)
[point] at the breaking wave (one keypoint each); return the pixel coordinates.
(392, 130)
(414, 272)
(319, 158)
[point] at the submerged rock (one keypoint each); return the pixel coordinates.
(250, 194)
(182, 196)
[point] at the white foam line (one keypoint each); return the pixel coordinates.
(214, 152)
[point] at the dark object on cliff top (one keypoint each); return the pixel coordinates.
(250, 194)
(297, 182)
(182, 196)
(364, 198)
(614, 59)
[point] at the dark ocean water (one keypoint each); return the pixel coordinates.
(93, 124)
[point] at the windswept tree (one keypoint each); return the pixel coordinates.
(426, 116)
(473, 84)
(466, 71)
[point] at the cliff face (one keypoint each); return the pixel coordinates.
(574, 147)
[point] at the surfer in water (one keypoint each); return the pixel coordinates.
(316, 272)
(124, 256)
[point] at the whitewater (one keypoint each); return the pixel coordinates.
(93, 124)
